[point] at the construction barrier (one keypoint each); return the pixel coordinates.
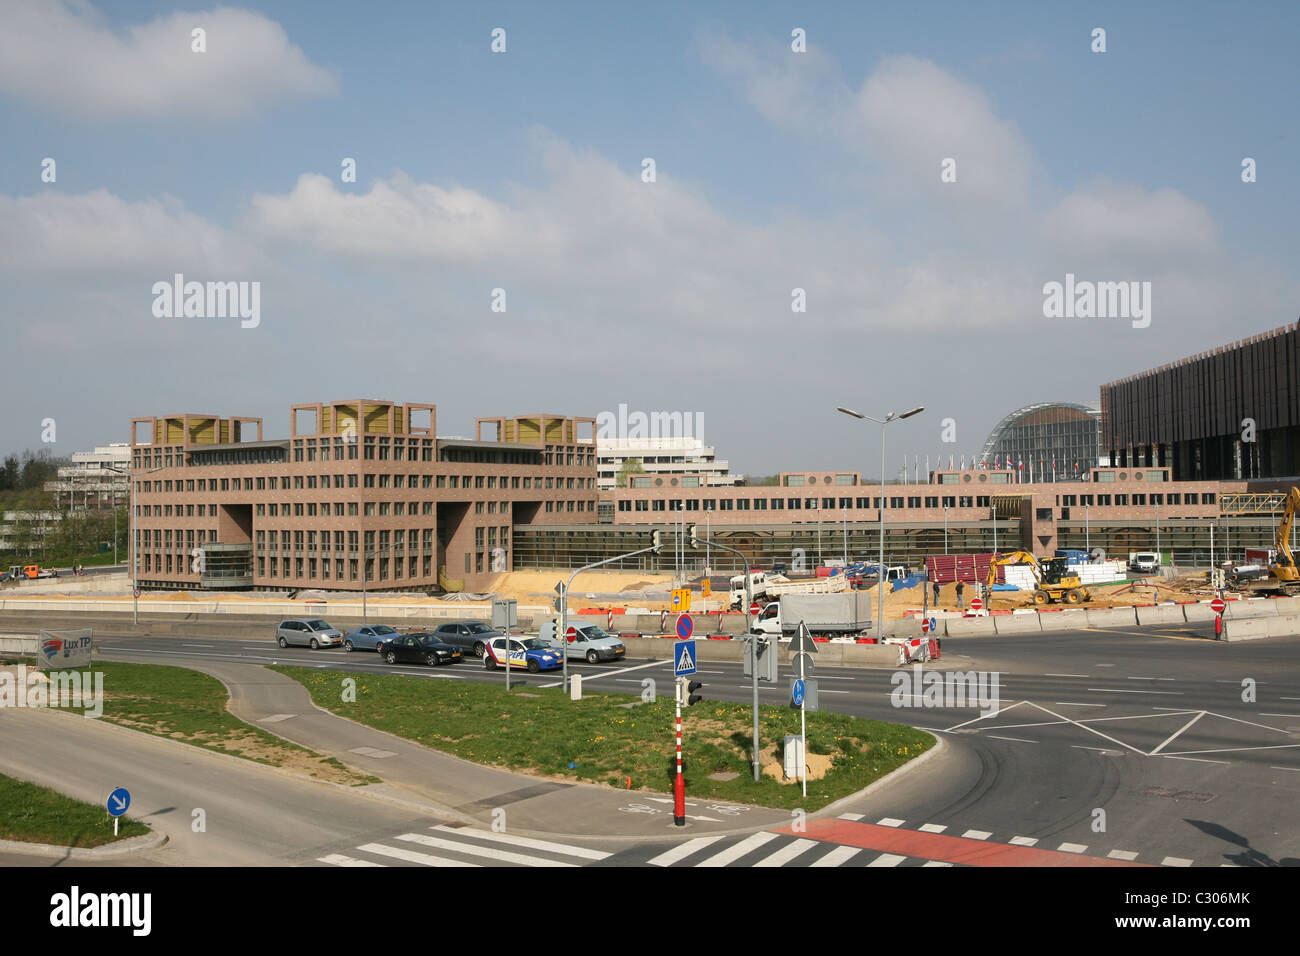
(1017, 624)
(1286, 605)
(1111, 617)
(1197, 612)
(1257, 607)
(969, 627)
(1284, 625)
(1161, 614)
(1247, 629)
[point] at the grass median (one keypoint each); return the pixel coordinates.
(31, 813)
(600, 739)
(186, 705)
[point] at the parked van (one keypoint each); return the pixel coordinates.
(1144, 562)
(590, 641)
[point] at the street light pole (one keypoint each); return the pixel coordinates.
(880, 587)
(752, 637)
(131, 530)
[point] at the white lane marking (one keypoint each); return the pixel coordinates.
(275, 718)
(667, 662)
(1067, 675)
(932, 827)
(1122, 855)
(977, 834)
(198, 645)
(1289, 698)
(1176, 710)
(1175, 861)
(503, 855)
(1294, 769)
(1024, 841)
(528, 843)
(1196, 759)
(1072, 848)
(669, 857)
(837, 856)
(1072, 703)
(987, 716)
(372, 752)
(1100, 750)
(887, 859)
(1105, 665)
(1112, 690)
(338, 859)
(1280, 715)
(935, 863)
(1150, 678)
(1235, 750)
(1176, 733)
(889, 822)
(1090, 730)
(1021, 740)
(827, 690)
(851, 816)
(411, 856)
(733, 853)
(787, 853)
(824, 677)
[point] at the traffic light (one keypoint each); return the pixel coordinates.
(657, 542)
(691, 696)
(695, 536)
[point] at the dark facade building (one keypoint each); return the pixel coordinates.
(1233, 413)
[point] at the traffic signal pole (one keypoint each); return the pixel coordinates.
(679, 784)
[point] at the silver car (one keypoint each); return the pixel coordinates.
(308, 631)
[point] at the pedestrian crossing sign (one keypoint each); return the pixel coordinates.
(683, 658)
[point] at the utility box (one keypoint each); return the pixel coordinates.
(505, 614)
(793, 764)
(575, 687)
(767, 656)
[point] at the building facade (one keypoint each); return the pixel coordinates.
(362, 493)
(658, 457)
(90, 483)
(1231, 413)
(1053, 441)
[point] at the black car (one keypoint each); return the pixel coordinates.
(467, 635)
(418, 649)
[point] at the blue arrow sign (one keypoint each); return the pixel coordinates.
(798, 695)
(683, 658)
(684, 626)
(118, 801)
(934, 625)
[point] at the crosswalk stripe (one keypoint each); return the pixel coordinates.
(735, 852)
(936, 863)
(838, 856)
(1024, 841)
(977, 834)
(787, 853)
(1122, 855)
(890, 822)
(933, 828)
(887, 859)
(338, 859)
(1175, 861)
(1072, 847)
(528, 842)
(411, 856)
(682, 851)
(851, 816)
(503, 855)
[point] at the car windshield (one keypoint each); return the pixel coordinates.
(479, 629)
(593, 633)
(318, 625)
(536, 644)
(427, 640)
(383, 629)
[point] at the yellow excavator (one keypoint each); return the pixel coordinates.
(1283, 575)
(1053, 579)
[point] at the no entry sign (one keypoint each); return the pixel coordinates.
(976, 604)
(1217, 605)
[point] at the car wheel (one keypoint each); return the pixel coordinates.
(488, 663)
(347, 646)
(314, 644)
(479, 650)
(534, 667)
(391, 657)
(592, 657)
(432, 660)
(282, 642)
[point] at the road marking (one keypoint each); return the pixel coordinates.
(1176, 733)
(372, 752)
(733, 853)
(976, 835)
(887, 859)
(851, 816)
(275, 718)
(1280, 715)
(1175, 861)
(1293, 769)
(1105, 665)
(1234, 750)
(1196, 759)
(1024, 841)
(338, 859)
(827, 690)
(935, 863)
(503, 855)
(1066, 675)
(198, 645)
(1071, 703)
(1289, 698)
(1122, 855)
(889, 822)
(837, 856)
(622, 670)
(1112, 690)
(528, 842)
(787, 853)
(1020, 740)
(1100, 750)
(1072, 847)
(411, 856)
(824, 677)
(669, 857)
(1150, 678)
(933, 827)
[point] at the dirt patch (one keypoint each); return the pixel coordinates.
(819, 765)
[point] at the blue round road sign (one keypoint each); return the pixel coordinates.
(684, 626)
(118, 801)
(798, 695)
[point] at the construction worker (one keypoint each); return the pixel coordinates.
(936, 593)
(960, 587)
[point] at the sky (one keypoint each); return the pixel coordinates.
(870, 221)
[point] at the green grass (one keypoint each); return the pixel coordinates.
(35, 814)
(189, 706)
(609, 743)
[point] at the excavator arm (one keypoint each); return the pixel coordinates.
(1284, 567)
(1012, 557)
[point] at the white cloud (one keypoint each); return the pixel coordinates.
(1108, 218)
(63, 55)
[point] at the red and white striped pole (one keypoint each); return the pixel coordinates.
(679, 784)
(609, 620)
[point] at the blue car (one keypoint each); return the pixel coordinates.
(530, 652)
(368, 638)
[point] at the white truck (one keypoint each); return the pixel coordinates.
(778, 586)
(846, 614)
(1143, 562)
(758, 580)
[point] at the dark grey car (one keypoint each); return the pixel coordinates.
(469, 636)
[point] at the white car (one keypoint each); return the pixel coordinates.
(1143, 561)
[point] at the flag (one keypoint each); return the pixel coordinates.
(963, 462)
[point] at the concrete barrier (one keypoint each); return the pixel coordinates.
(1161, 614)
(1287, 605)
(1247, 629)
(18, 644)
(1017, 624)
(1284, 625)
(1257, 607)
(829, 654)
(1194, 613)
(969, 627)
(1111, 617)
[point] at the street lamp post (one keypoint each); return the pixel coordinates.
(945, 529)
(880, 586)
(131, 530)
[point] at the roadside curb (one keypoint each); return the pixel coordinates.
(836, 807)
(138, 844)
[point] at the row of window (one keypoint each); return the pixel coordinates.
(797, 504)
(1190, 498)
(369, 480)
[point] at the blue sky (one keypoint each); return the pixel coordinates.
(521, 170)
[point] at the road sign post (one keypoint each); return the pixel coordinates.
(683, 667)
(118, 801)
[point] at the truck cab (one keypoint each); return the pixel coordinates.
(759, 581)
(1143, 561)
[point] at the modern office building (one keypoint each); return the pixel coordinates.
(89, 483)
(361, 493)
(657, 457)
(1046, 441)
(1231, 413)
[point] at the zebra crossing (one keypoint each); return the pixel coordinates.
(443, 845)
